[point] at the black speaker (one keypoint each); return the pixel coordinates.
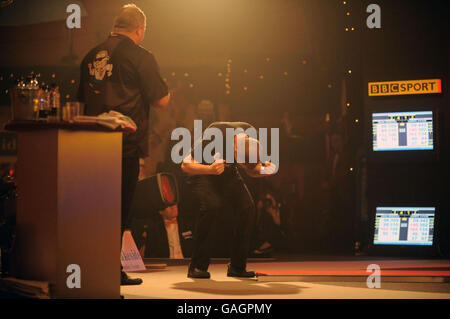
(153, 194)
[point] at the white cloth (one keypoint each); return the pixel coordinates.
(111, 119)
(173, 237)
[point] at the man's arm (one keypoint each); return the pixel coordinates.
(191, 167)
(153, 87)
(261, 171)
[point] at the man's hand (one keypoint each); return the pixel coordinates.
(218, 166)
(269, 168)
(163, 102)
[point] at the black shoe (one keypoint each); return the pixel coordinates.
(127, 281)
(198, 273)
(234, 272)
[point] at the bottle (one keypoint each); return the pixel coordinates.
(55, 101)
(32, 92)
(18, 99)
(44, 103)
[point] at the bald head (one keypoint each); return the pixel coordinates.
(132, 22)
(246, 150)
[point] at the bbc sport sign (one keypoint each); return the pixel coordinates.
(430, 86)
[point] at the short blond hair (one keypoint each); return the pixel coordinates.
(129, 18)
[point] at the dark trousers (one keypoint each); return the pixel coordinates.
(130, 174)
(212, 193)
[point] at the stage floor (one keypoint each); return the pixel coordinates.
(171, 282)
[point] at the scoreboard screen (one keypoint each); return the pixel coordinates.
(402, 131)
(404, 226)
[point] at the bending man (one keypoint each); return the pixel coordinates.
(220, 182)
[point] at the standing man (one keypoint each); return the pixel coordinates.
(122, 76)
(219, 183)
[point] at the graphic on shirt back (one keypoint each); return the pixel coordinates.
(101, 66)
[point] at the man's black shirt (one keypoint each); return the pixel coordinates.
(121, 76)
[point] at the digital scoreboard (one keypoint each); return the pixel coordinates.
(404, 226)
(402, 131)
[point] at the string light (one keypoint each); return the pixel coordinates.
(267, 59)
(356, 120)
(186, 74)
(353, 29)
(191, 85)
(227, 77)
(73, 81)
(330, 86)
(219, 74)
(261, 77)
(245, 71)
(348, 104)
(348, 13)
(303, 61)
(53, 76)
(346, 29)
(285, 73)
(349, 71)
(351, 169)
(173, 73)
(245, 88)
(344, 2)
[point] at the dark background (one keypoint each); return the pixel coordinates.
(303, 52)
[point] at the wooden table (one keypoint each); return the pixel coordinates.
(69, 207)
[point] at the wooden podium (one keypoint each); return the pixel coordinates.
(69, 207)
